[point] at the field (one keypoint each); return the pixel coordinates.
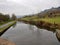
(52, 20)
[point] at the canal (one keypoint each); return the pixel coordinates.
(26, 34)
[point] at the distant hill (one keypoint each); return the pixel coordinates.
(53, 12)
(50, 12)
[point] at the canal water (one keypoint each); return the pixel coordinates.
(26, 34)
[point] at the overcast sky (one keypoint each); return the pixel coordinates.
(23, 7)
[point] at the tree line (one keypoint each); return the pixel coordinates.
(6, 17)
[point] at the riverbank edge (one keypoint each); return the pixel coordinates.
(6, 27)
(46, 25)
(58, 34)
(43, 24)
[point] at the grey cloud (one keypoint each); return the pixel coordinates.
(23, 7)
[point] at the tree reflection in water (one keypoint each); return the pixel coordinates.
(37, 32)
(14, 24)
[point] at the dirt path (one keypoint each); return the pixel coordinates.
(5, 42)
(5, 24)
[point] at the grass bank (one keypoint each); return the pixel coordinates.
(46, 23)
(4, 28)
(4, 22)
(51, 24)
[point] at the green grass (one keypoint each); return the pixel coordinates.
(4, 22)
(5, 27)
(1, 23)
(51, 20)
(2, 29)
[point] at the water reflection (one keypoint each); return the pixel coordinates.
(52, 30)
(26, 34)
(37, 32)
(14, 24)
(31, 27)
